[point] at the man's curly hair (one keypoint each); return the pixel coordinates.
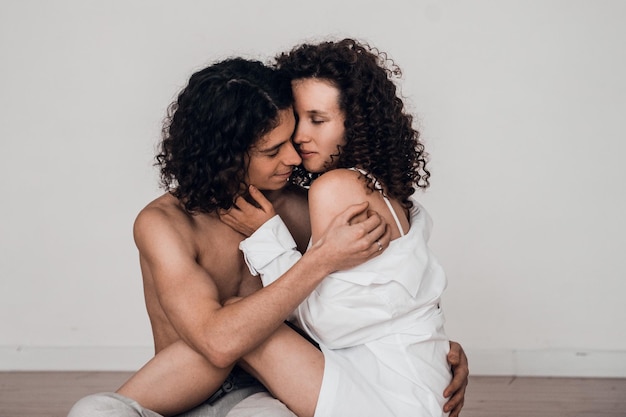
(380, 137)
(209, 128)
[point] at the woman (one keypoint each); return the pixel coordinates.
(379, 325)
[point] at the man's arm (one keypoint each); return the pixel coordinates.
(248, 218)
(222, 334)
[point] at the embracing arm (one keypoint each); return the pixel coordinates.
(270, 249)
(248, 218)
(189, 296)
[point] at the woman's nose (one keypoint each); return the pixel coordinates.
(299, 135)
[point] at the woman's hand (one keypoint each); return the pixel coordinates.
(353, 236)
(246, 217)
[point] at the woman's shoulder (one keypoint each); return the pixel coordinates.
(330, 194)
(340, 187)
(340, 179)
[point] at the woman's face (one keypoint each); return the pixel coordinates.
(320, 128)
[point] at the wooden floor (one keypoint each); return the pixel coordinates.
(51, 394)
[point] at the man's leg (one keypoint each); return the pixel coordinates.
(175, 380)
(239, 385)
(290, 367)
(261, 404)
(109, 404)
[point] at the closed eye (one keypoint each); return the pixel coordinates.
(275, 150)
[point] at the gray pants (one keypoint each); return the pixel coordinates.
(245, 402)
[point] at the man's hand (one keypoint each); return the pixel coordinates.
(245, 217)
(460, 373)
(349, 241)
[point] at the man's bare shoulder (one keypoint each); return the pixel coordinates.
(164, 221)
(165, 218)
(162, 211)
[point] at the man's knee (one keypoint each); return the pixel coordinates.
(261, 404)
(108, 404)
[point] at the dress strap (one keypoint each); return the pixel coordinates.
(379, 187)
(393, 213)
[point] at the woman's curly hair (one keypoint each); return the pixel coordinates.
(380, 137)
(209, 128)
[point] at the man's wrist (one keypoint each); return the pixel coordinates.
(319, 259)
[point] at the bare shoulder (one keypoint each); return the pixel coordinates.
(340, 187)
(332, 193)
(163, 210)
(163, 218)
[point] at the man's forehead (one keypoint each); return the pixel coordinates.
(280, 134)
(261, 143)
(268, 144)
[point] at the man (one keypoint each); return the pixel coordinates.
(229, 128)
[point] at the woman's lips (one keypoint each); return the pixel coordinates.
(306, 154)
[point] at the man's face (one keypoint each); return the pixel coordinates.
(272, 157)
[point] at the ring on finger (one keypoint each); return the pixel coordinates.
(380, 246)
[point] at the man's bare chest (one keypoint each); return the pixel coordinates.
(225, 265)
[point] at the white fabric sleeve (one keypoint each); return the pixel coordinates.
(270, 251)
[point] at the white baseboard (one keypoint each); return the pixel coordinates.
(74, 358)
(555, 363)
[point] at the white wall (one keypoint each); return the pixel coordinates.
(520, 104)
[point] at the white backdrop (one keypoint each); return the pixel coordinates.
(521, 105)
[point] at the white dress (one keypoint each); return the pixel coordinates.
(379, 325)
